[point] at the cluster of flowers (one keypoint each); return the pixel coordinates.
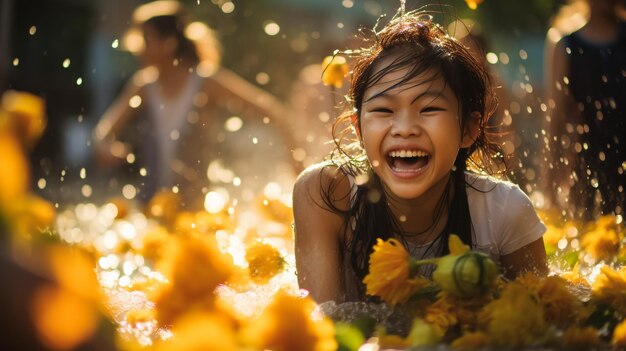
(467, 306)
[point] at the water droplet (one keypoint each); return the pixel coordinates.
(262, 78)
(129, 191)
(79, 81)
(130, 158)
(41, 183)
(83, 173)
(134, 101)
(227, 7)
(271, 28)
(233, 124)
(255, 140)
(86, 190)
(115, 44)
(492, 58)
(16, 61)
(523, 54)
(32, 30)
(347, 4)
(66, 63)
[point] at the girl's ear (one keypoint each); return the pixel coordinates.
(472, 130)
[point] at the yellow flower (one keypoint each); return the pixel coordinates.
(467, 274)
(610, 286)
(424, 333)
(388, 275)
(202, 331)
(392, 342)
(560, 306)
(287, 324)
(471, 341)
(580, 338)
(456, 246)
(619, 335)
(194, 266)
(29, 215)
(473, 4)
(575, 277)
(275, 209)
(164, 206)
(28, 117)
(154, 242)
(442, 313)
(264, 262)
(15, 172)
(515, 319)
(601, 244)
(62, 319)
(335, 69)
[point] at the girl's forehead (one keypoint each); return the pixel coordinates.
(395, 80)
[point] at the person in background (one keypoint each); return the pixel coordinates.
(181, 94)
(586, 123)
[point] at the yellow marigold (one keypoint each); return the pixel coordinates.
(391, 341)
(575, 277)
(560, 306)
(619, 335)
(471, 341)
(601, 243)
(264, 262)
(515, 319)
(163, 205)
(62, 319)
(287, 324)
(194, 267)
(335, 69)
(456, 246)
(28, 115)
(275, 209)
(207, 331)
(442, 313)
(610, 286)
(154, 242)
(424, 333)
(580, 338)
(15, 172)
(389, 270)
(473, 4)
(29, 215)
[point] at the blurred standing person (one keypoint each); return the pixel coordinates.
(182, 92)
(586, 123)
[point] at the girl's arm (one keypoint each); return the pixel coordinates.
(114, 119)
(318, 232)
(530, 258)
(227, 86)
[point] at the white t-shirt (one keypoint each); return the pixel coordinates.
(503, 218)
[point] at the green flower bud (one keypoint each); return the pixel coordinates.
(465, 275)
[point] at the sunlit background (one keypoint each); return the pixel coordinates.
(156, 260)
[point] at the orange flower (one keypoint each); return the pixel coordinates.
(619, 335)
(471, 341)
(389, 273)
(335, 69)
(15, 172)
(62, 319)
(515, 319)
(609, 287)
(287, 324)
(473, 4)
(264, 262)
(207, 331)
(28, 115)
(194, 267)
(560, 306)
(442, 313)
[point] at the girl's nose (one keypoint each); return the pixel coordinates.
(404, 124)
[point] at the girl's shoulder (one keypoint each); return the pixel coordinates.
(494, 193)
(326, 183)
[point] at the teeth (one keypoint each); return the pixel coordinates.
(408, 153)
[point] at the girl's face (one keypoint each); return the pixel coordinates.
(157, 50)
(411, 133)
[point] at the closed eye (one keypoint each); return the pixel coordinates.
(432, 109)
(381, 110)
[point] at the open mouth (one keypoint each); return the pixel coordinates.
(407, 161)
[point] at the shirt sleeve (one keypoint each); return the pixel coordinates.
(520, 224)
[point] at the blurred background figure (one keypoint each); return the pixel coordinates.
(585, 124)
(183, 103)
